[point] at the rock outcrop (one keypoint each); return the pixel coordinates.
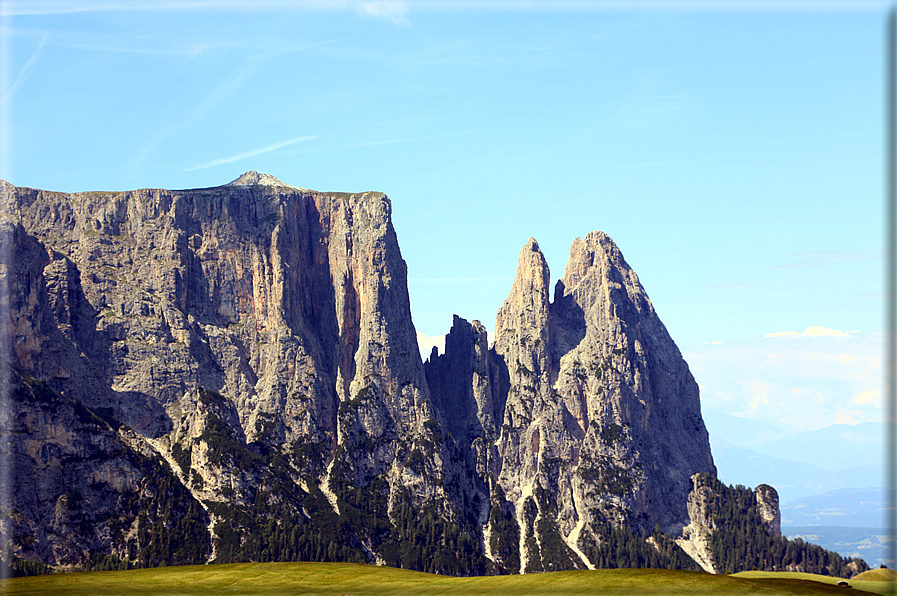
(735, 513)
(247, 352)
(768, 506)
(86, 487)
(696, 536)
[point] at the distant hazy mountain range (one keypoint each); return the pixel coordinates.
(829, 480)
(850, 507)
(798, 464)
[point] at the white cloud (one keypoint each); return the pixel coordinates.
(252, 153)
(727, 397)
(782, 334)
(758, 393)
(846, 417)
(819, 331)
(868, 398)
(426, 344)
(808, 383)
(815, 331)
(44, 7)
(51, 7)
(394, 11)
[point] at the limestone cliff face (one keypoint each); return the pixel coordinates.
(240, 289)
(184, 284)
(86, 490)
(254, 315)
(236, 368)
(696, 536)
(630, 390)
(593, 414)
(768, 505)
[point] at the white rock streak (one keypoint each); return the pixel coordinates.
(487, 539)
(325, 487)
(521, 522)
(573, 538)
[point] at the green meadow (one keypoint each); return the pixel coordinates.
(869, 581)
(344, 579)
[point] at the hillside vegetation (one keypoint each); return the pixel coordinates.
(740, 540)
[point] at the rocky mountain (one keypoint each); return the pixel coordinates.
(582, 413)
(232, 374)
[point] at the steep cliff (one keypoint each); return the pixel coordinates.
(232, 374)
(591, 412)
(255, 336)
(87, 489)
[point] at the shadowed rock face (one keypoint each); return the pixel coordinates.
(248, 351)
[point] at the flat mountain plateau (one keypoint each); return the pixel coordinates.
(231, 374)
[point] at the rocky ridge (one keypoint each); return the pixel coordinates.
(578, 394)
(248, 351)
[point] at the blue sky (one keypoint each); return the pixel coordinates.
(733, 150)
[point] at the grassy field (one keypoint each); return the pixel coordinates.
(871, 581)
(343, 579)
(879, 574)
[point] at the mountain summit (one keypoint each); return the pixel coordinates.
(252, 177)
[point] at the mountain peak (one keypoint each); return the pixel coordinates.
(252, 177)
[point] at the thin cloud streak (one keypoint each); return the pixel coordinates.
(50, 7)
(113, 43)
(23, 73)
(821, 259)
(653, 5)
(815, 331)
(252, 153)
(844, 136)
(224, 90)
(407, 140)
(395, 11)
(729, 286)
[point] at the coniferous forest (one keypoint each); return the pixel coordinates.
(740, 540)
